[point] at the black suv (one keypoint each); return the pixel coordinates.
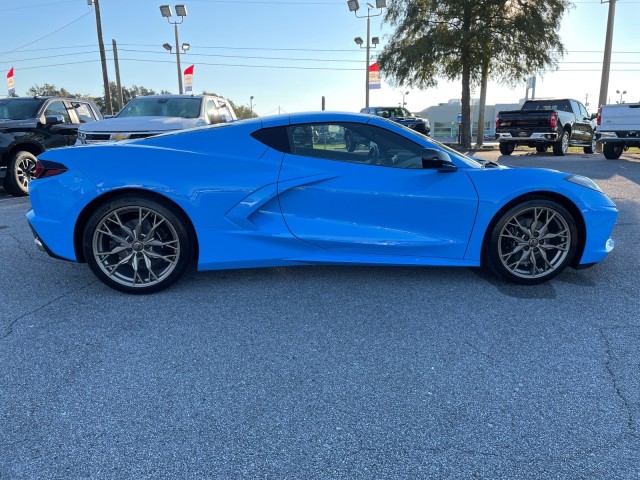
(31, 125)
(402, 116)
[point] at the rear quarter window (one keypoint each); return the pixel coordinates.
(275, 137)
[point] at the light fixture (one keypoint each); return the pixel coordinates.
(181, 11)
(371, 42)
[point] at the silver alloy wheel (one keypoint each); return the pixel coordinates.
(534, 242)
(25, 169)
(136, 246)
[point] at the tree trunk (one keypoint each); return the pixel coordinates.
(465, 125)
(483, 101)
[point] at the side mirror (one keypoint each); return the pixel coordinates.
(593, 116)
(53, 119)
(434, 158)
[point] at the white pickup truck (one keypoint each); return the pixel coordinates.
(618, 128)
(145, 116)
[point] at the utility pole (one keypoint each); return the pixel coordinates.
(606, 62)
(103, 58)
(118, 84)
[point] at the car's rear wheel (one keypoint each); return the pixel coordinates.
(612, 151)
(137, 244)
(348, 142)
(592, 146)
(541, 148)
(561, 147)
(532, 242)
(507, 148)
(22, 167)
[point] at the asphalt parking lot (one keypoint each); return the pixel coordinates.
(325, 372)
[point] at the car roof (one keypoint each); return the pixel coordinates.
(176, 95)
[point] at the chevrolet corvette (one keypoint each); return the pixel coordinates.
(271, 192)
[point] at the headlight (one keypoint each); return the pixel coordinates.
(583, 181)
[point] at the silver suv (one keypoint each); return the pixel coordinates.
(154, 114)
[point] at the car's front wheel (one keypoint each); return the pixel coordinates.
(532, 242)
(22, 167)
(137, 244)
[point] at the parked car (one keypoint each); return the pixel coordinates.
(559, 124)
(31, 125)
(618, 128)
(255, 195)
(150, 115)
(402, 116)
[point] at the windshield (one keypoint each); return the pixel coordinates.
(161, 107)
(393, 112)
(19, 109)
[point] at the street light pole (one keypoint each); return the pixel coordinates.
(354, 6)
(404, 104)
(181, 11)
(180, 88)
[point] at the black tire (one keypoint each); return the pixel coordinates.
(532, 242)
(20, 172)
(541, 148)
(561, 147)
(136, 244)
(592, 146)
(348, 142)
(507, 148)
(612, 151)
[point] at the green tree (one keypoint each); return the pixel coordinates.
(470, 40)
(50, 90)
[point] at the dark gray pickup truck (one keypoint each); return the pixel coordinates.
(559, 124)
(31, 125)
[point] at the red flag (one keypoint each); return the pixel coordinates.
(10, 83)
(188, 79)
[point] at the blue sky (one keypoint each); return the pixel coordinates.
(286, 54)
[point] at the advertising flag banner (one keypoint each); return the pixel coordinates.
(188, 79)
(10, 84)
(374, 76)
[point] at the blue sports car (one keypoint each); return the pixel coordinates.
(269, 192)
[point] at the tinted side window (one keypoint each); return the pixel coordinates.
(58, 108)
(355, 143)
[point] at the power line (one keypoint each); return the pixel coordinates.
(48, 34)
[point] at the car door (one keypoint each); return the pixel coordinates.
(59, 134)
(582, 126)
(374, 200)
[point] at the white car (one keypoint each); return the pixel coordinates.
(154, 114)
